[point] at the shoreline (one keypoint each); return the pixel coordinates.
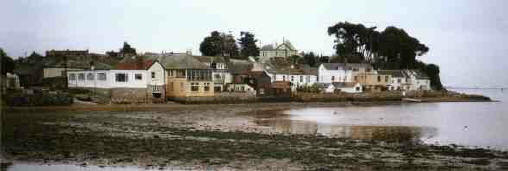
(216, 137)
(333, 101)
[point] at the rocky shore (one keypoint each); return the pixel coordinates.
(215, 137)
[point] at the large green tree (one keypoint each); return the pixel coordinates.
(248, 45)
(127, 49)
(219, 44)
(7, 62)
(310, 59)
(393, 48)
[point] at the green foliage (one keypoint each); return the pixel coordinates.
(309, 89)
(432, 71)
(310, 59)
(295, 59)
(392, 48)
(127, 49)
(219, 44)
(55, 83)
(30, 69)
(248, 45)
(43, 99)
(7, 62)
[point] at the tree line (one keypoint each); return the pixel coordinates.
(392, 48)
(225, 44)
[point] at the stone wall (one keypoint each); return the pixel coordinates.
(223, 97)
(130, 95)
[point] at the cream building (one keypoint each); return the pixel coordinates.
(284, 50)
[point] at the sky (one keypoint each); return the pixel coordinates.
(464, 36)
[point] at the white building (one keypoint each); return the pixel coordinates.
(349, 87)
(108, 79)
(157, 80)
(299, 77)
(407, 80)
(341, 72)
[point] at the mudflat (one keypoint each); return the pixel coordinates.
(217, 136)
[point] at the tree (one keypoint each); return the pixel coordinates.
(127, 49)
(392, 48)
(399, 50)
(7, 62)
(219, 44)
(248, 45)
(295, 59)
(229, 48)
(310, 59)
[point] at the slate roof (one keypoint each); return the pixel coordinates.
(239, 66)
(335, 66)
(79, 65)
(209, 59)
(393, 73)
(267, 48)
(181, 61)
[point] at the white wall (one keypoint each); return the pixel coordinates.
(296, 80)
(159, 74)
(352, 89)
(110, 81)
(339, 75)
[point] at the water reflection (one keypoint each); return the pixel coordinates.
(470, 124)
(378, 133)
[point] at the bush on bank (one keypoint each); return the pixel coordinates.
(42, 99)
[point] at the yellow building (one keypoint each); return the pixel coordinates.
(372, 81)
(186, 77)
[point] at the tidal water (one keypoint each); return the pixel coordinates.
(471, 124)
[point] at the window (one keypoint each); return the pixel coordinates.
(194, 86)
(355, 69)
(378, 78)
(207, 86)
(81, 76)
(138, 76)
(356, 78)
(368, 69)
(386, 78)
(153, 74)
(101, 76)
(301, 78)
(333, 78)
(292, 78)
(121, 77)
(399, 80)
(72, 76)
(89, 76)
(283, 78)
(171, 86)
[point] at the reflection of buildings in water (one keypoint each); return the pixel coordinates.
(380, 133)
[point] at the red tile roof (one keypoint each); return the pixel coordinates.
(134, 64)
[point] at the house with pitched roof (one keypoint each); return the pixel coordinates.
(362, 73)
(284, 50)
(186, 77)
(407, 80)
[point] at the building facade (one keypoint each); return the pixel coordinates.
(284, 50)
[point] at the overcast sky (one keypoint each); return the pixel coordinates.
(465, 37)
